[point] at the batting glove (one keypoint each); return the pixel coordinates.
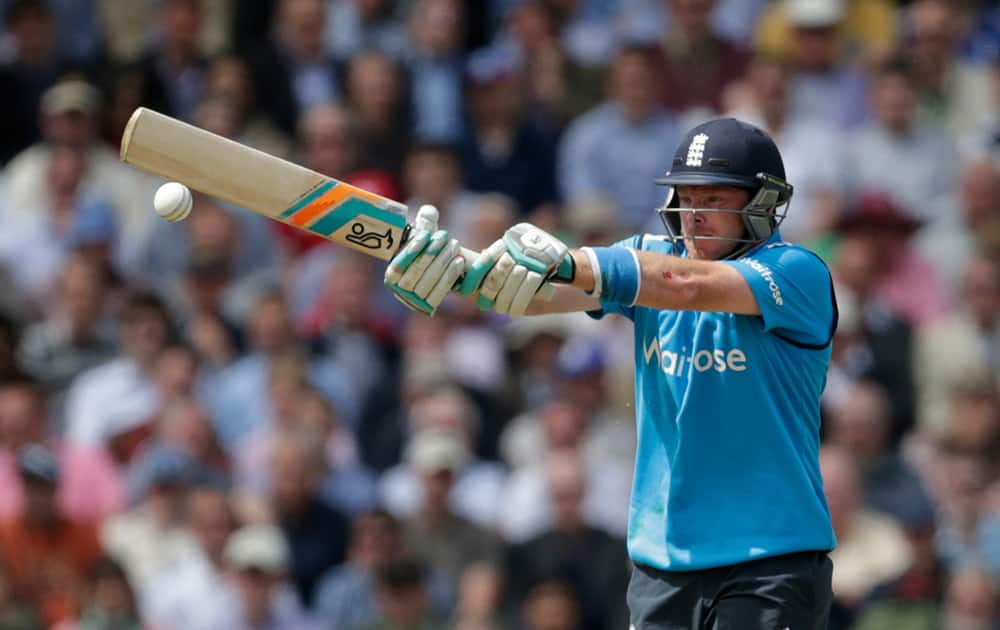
(508, 273)
(423, 273)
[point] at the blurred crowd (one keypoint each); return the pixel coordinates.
(222, 423)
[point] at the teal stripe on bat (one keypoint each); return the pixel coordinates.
(308, 199)
(351, 209)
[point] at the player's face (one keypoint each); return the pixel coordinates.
(710, 235)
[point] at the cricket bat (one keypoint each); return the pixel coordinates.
(268, 185)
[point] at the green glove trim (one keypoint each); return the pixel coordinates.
(411, 300)
(566, 271)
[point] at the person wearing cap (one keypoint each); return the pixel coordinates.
(733, 326)
(258, 559)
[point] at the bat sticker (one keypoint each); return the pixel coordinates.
(369, 240)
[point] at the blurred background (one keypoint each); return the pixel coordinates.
(222, 423)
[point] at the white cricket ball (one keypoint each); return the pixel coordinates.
(173, 201)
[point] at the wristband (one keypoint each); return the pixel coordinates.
(618, 274)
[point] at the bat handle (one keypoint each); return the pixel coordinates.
(545, 292)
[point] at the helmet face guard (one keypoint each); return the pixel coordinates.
(761, 215)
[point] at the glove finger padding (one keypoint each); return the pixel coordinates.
(510, 288)
(529, 287)
(438, 241)
(432, 275)
(481, 267)
(404, 259)
(447, 282)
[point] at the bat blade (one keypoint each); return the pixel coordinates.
(263, 183)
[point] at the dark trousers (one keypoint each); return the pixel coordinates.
(789, 592)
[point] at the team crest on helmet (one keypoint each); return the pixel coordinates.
(696, 150)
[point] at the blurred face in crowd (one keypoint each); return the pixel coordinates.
(175, 372)
(860, 422)
(374, 85)
(432, 175)
(22, 416)
(971, 602)
(532, 25)
(113, 594)
(566, 489)
(980, 189)
(218, 115)
(256, 587)
(347, 289)
(300, 26)
(270, 325)
(895, 101)
(490, 218)
(211, 228)
(632, 85)
(815, 47)
(974, 421)
(437, 484)
(210, 518)
(186, 426)
(551, 606)
(981, 291)
(436, 27)
(691, 17)
(34, 32)
(934, 35)
(965, 476)
(841, 486)
(859, 263)
(328, 140)
(374, 540)
(229, 78)
(143, 333)
(73, 128)
(287, 382)
(67, 166)
(180, 21)
(81, 292)
(725, 225)
(563, 423)
(296, 469)
(769, 80)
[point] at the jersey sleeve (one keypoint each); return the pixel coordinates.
(794, 292)
(632, 242)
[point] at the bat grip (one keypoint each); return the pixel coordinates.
(545, 292)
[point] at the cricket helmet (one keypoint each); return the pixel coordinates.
(729, 152)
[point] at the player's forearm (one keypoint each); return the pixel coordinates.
(662, 281)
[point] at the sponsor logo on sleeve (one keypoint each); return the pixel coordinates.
(768, 276)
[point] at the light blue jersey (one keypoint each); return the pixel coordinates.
(727, 410)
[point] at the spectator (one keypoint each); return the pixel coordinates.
(918, 156)
(502, 151)
(952, 92)
(47, 557)
(593, 562)
(694, 63)
(479, 594)
(436, 534)
(474, 486)
(346, 596)
(948, 350)
(77, 332)
(151, 536)
(120, 395)
(432, 173)
(971, 600)
(110, 601)
(619, 148)
(370, 25)
(70, 112)
(316, 533)
(292, 70)
(173, 69)
(818, 183)
(915, 599)
(860, 424)
(435, 59)
(376, 95)
(35, 64)
(90, 484)
(871, 547)
(864, 34)
(258, 592)
(175, 596)
(402, 594)
(551, 605)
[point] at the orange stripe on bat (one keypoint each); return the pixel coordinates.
(332, 198)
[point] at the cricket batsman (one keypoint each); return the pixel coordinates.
(728, 524)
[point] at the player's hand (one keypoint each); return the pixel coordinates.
(509, 273)
(423, 273)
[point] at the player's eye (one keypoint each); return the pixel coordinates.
(685, 202)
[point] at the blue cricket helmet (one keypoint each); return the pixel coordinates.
(730, 152)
